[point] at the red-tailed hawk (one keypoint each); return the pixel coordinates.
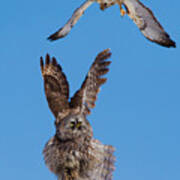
(139, 13)
(72, 153)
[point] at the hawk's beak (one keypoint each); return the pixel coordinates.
(104, 6)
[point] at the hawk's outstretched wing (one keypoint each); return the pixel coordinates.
(55, 84)
(86, 96)
(146, 22)
(72, 21)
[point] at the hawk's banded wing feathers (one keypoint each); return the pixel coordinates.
(147, 23)
(86, 96)
(71, 22)
(55, 84)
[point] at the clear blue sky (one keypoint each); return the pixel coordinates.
(138, 109)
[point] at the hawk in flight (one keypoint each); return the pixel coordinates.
(72, 153)
(139, 13)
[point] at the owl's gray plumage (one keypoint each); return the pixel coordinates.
(139, 13)
(73, 153)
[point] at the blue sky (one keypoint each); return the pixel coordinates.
(138, 109)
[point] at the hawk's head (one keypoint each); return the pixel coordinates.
(106, 3)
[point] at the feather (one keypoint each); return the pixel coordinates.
(105, 159)
(55, 84)
(85, 97)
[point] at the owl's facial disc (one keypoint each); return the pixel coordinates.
(76, 123)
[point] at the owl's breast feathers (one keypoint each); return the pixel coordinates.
(67, 157)
(88, 160)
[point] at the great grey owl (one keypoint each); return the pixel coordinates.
(72, 153)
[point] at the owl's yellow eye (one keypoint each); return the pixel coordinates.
(72, 124)
(78, 125)
(75, 124)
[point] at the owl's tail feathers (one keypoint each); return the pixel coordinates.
(105, 161)
(108, 164)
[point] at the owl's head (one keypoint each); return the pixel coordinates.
(73, 126)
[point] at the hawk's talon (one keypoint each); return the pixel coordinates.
(123, 12)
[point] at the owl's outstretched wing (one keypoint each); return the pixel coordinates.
(147, 23)
(62, 32)
(86, 96)
(55, 84)
(104, 164)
